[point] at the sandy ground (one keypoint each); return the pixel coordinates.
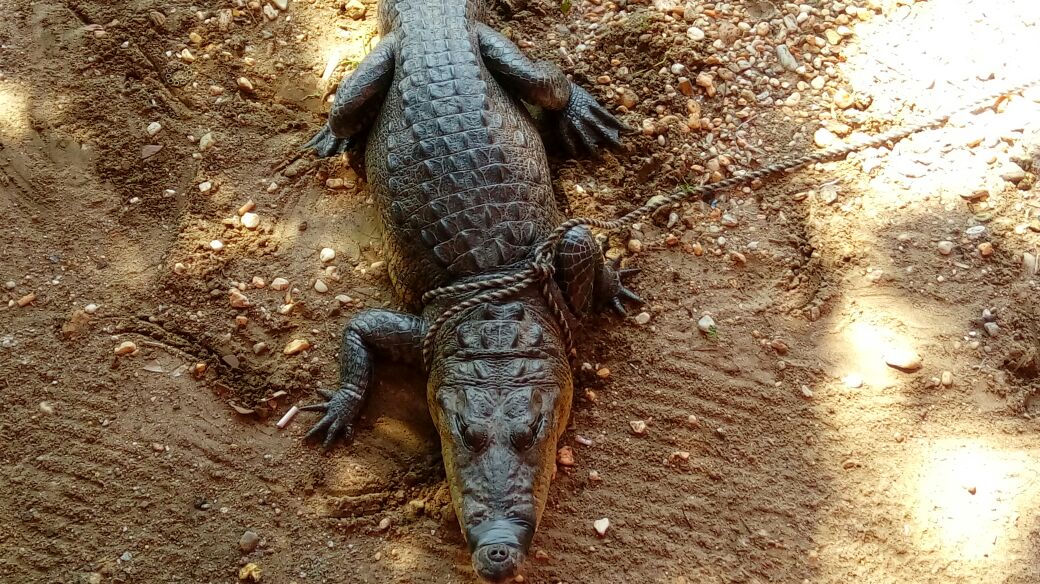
(780, 447)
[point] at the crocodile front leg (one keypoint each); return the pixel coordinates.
(386, 334)
(583, 122)
(587, 280)
(357, 101)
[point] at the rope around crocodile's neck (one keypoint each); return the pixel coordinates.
(541, 268)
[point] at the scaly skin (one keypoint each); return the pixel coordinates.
(460, 175)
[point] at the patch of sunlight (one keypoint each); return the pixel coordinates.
(969, 495)
(951, 41)
(14, 109)
(867, 345)
(934, 57)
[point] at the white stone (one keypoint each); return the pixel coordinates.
(326, 255)
(205, 187)
(320, 287)
(250, 220)
(207, 141)
(216, 245)
(153, 128)
(601, 526)
(642, 318)
(90, 308)
(279, 284)
(706, 324)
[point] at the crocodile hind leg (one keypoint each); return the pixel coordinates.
(386, 334)
(583, 123)
(357, 101)
(587, 280)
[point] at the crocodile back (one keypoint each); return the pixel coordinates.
(455, 163)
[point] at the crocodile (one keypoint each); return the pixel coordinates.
(459, 172)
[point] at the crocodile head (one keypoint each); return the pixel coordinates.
(500, 396)
(390, 15)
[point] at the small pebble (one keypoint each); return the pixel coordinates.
(635, 246)
(642, 318)
(245, 84)
(843, 99)
(1029, 264)
(153, 128)
(904, 360)
(206, 186)
(787, 60)
(945, 247)
(216, 245)
(326, 255)
(354, 9)
(706, 324)
(46, 408)
(238, 299)
(126, 348)
(695, 34)
(206, 141)
(259, 348)
(638, 427)
(248, 542)
(320, 287)
(601, 526)
(824, 138)
(975, 231)
(992, 329)
(565, 456)
(296, 346)
(279, 284)
(853, 381)
(250, 220)
(807, 392)
(90, 308)
(27, 300)
(946, 379)
(986, 249)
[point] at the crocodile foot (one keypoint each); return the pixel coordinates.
(585, 125)
(325, 144)
(341, 409)
(621, 292)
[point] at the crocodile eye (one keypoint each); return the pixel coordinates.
(472, 438)
(523, 438)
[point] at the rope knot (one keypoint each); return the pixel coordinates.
(542, 270)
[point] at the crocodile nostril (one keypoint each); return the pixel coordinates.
(498, 553)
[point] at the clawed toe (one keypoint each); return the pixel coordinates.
(339, 412)
(629, 295)
(586, 126)
(326, 144)
(618, 307)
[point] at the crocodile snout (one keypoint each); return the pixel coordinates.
(497, 562)
(498, 547)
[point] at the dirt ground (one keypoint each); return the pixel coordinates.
(780, 447)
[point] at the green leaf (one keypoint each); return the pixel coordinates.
(565, 6)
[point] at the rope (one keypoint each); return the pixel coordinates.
(541, 268)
